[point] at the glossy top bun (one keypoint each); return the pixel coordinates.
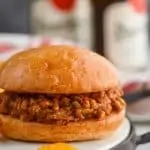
(58, 69)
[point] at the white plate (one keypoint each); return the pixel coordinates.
(104, 144)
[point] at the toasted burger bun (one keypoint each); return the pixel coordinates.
(1, 64)
(58, 69)
(76, 131)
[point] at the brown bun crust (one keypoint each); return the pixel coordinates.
(1, 63)
(58, 69)
(78, 131)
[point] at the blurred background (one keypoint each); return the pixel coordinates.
(117, 29)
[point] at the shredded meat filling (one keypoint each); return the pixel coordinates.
(49, 109)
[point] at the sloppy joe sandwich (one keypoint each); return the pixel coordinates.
(59, 93)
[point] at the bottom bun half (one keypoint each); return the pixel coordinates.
(76, 131)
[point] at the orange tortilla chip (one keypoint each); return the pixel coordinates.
(57, 146)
